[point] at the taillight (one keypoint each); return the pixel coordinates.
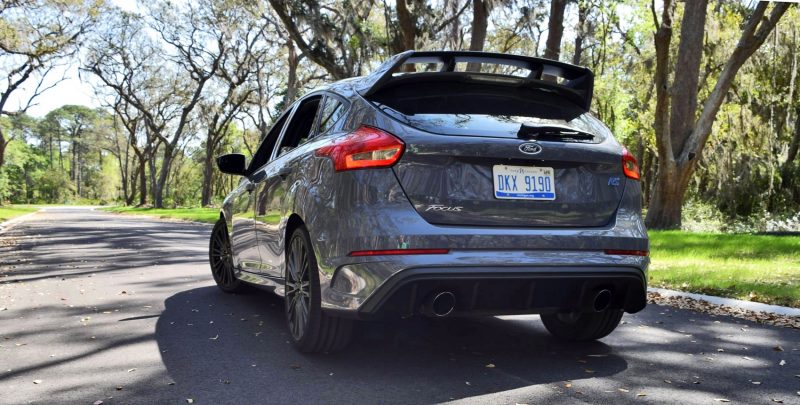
(629, 165)
(366, 147)
(627, 252)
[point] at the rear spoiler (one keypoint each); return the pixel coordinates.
(576, 82)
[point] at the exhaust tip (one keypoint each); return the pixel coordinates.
(602, 300)
(442, 304)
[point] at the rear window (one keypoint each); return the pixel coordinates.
(485, 110)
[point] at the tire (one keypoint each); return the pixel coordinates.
(583, 326)
(311, 329)
(220, 257)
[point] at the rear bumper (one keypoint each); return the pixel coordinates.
(502, 291)
(505, 283)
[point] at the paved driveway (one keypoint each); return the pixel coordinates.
(95, 306)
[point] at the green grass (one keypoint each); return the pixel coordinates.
(208, 215)
(8, 212)
(761, 268)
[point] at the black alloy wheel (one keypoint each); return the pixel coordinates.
(312, 329)
(220, 257)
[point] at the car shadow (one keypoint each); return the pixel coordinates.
(220, 347)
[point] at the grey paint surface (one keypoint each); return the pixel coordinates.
(62, 284)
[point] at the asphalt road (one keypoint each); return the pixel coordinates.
(120, 309)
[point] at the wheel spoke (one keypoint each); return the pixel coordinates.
(303, 317)
(292, 264)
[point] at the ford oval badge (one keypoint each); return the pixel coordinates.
(530, 148)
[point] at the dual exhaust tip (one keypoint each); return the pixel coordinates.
(442, 303)
(601, 300)
(439, 304)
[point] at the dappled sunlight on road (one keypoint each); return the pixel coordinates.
(96, 306)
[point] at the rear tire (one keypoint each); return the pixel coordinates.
(220, 256)
(311, 329)
(583, 326)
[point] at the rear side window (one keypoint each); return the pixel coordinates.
(331, 114)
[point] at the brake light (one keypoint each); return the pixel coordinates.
(366, 147)
(399, 252)
(629, 165)
(627, 252)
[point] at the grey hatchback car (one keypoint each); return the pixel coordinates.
(443, 184)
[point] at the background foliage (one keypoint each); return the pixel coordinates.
(181, 85)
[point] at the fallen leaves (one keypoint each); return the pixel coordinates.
(490, 365)
(37, 381)
(214, 338)
(778, 348)
(782, 363)
(722, 400)
(714, 309)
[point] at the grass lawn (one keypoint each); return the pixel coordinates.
(11, 211)
(761, 268)
(208, 215)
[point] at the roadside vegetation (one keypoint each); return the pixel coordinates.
(763, 268)
(11, 211)
(207, 215)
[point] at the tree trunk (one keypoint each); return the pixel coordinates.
(480, 20)
(142, 182)
(664, 211)
(583, 11)
(60, 154)
(685, 83)
(794, 144)
(292, 60)
(166, 165)
(151, 166)
(208, 172)
(407, 27)
(3, 144)
(555, 29)
(78, 164)
(73, 159)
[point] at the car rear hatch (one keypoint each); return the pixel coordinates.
(495, 150)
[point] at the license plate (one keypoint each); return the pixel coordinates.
(524, 182)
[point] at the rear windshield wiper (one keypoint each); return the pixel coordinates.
(553, 134)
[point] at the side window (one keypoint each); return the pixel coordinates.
(301, 128)
(333, 111)
(264, 150)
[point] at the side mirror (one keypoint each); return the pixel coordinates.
(232, 163)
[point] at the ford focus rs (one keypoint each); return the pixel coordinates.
(444, 184)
